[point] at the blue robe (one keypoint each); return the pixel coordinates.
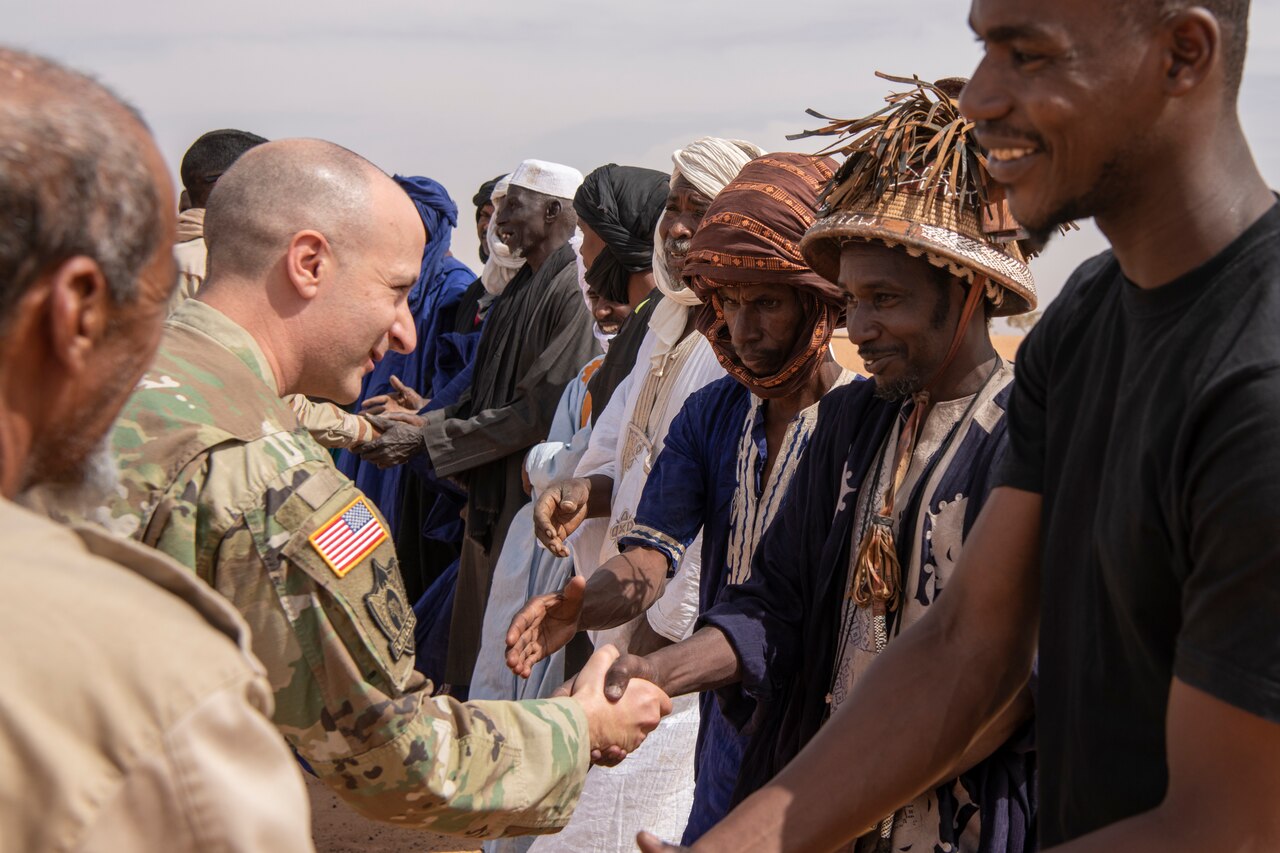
(692, 487)
(784, 623)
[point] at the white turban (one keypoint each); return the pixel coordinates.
(709, 164)
(551, 179)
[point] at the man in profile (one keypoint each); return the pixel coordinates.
(129, 692)
(314, 252)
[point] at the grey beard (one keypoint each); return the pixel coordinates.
(97, 482)
(676, 247)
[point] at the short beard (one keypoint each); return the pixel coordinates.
(82, 494)
(900, 388)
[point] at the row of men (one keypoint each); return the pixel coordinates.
(1145, 546)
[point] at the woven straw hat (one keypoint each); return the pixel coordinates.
(960, 223)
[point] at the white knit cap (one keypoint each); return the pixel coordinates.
(551, 179)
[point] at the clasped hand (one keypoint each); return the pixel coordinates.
(617, 726)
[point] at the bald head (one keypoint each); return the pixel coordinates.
(314, 250)
(76, 178)
(280, 188)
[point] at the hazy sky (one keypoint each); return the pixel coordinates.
(464, 91)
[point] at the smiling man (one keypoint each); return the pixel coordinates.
(894, 474)
(1131, 538)
(313, 252)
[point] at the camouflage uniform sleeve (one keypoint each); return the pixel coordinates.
(330, 425)
(316, 576)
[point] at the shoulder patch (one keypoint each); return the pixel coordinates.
(347, 538)
(389, 607)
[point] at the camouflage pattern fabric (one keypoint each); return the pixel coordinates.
(219, 474)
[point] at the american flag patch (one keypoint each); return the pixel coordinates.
(348, 537)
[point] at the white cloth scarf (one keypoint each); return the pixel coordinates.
(502, 266)
(709, 164)
(601, 336)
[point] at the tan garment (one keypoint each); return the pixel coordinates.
(191, 254)
(132, 716)
(330, 425)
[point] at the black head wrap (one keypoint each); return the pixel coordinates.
(485, 195)
(623, 205)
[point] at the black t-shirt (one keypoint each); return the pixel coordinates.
(1150, 423)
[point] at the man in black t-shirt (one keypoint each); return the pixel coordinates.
(1135, 539)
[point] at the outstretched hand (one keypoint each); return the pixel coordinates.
(559, 511)
(623, 724)
(543, 626)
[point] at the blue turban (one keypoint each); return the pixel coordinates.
(432, 301)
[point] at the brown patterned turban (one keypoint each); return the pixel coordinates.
(751, 235)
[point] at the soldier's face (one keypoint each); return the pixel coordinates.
(365, 313)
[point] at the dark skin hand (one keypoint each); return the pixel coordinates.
(405, 400)
(649, 843)
(619, 591)
(400, 441)
(896, 699)
(564, 506)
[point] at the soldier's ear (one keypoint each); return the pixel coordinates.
(78, 309)
(308, 262)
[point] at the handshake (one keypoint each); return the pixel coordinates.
(626, 710)
(617, 726)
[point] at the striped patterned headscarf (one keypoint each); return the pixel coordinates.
(751, 235)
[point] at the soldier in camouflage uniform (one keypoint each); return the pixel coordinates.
(220, 474)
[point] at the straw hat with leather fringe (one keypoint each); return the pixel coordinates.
(916, 178)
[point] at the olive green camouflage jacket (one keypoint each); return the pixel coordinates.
(219, 474)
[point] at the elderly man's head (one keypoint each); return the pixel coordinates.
(528, 218)
(86, 221)
(317, 249)
(537, 215)
(701, 170)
